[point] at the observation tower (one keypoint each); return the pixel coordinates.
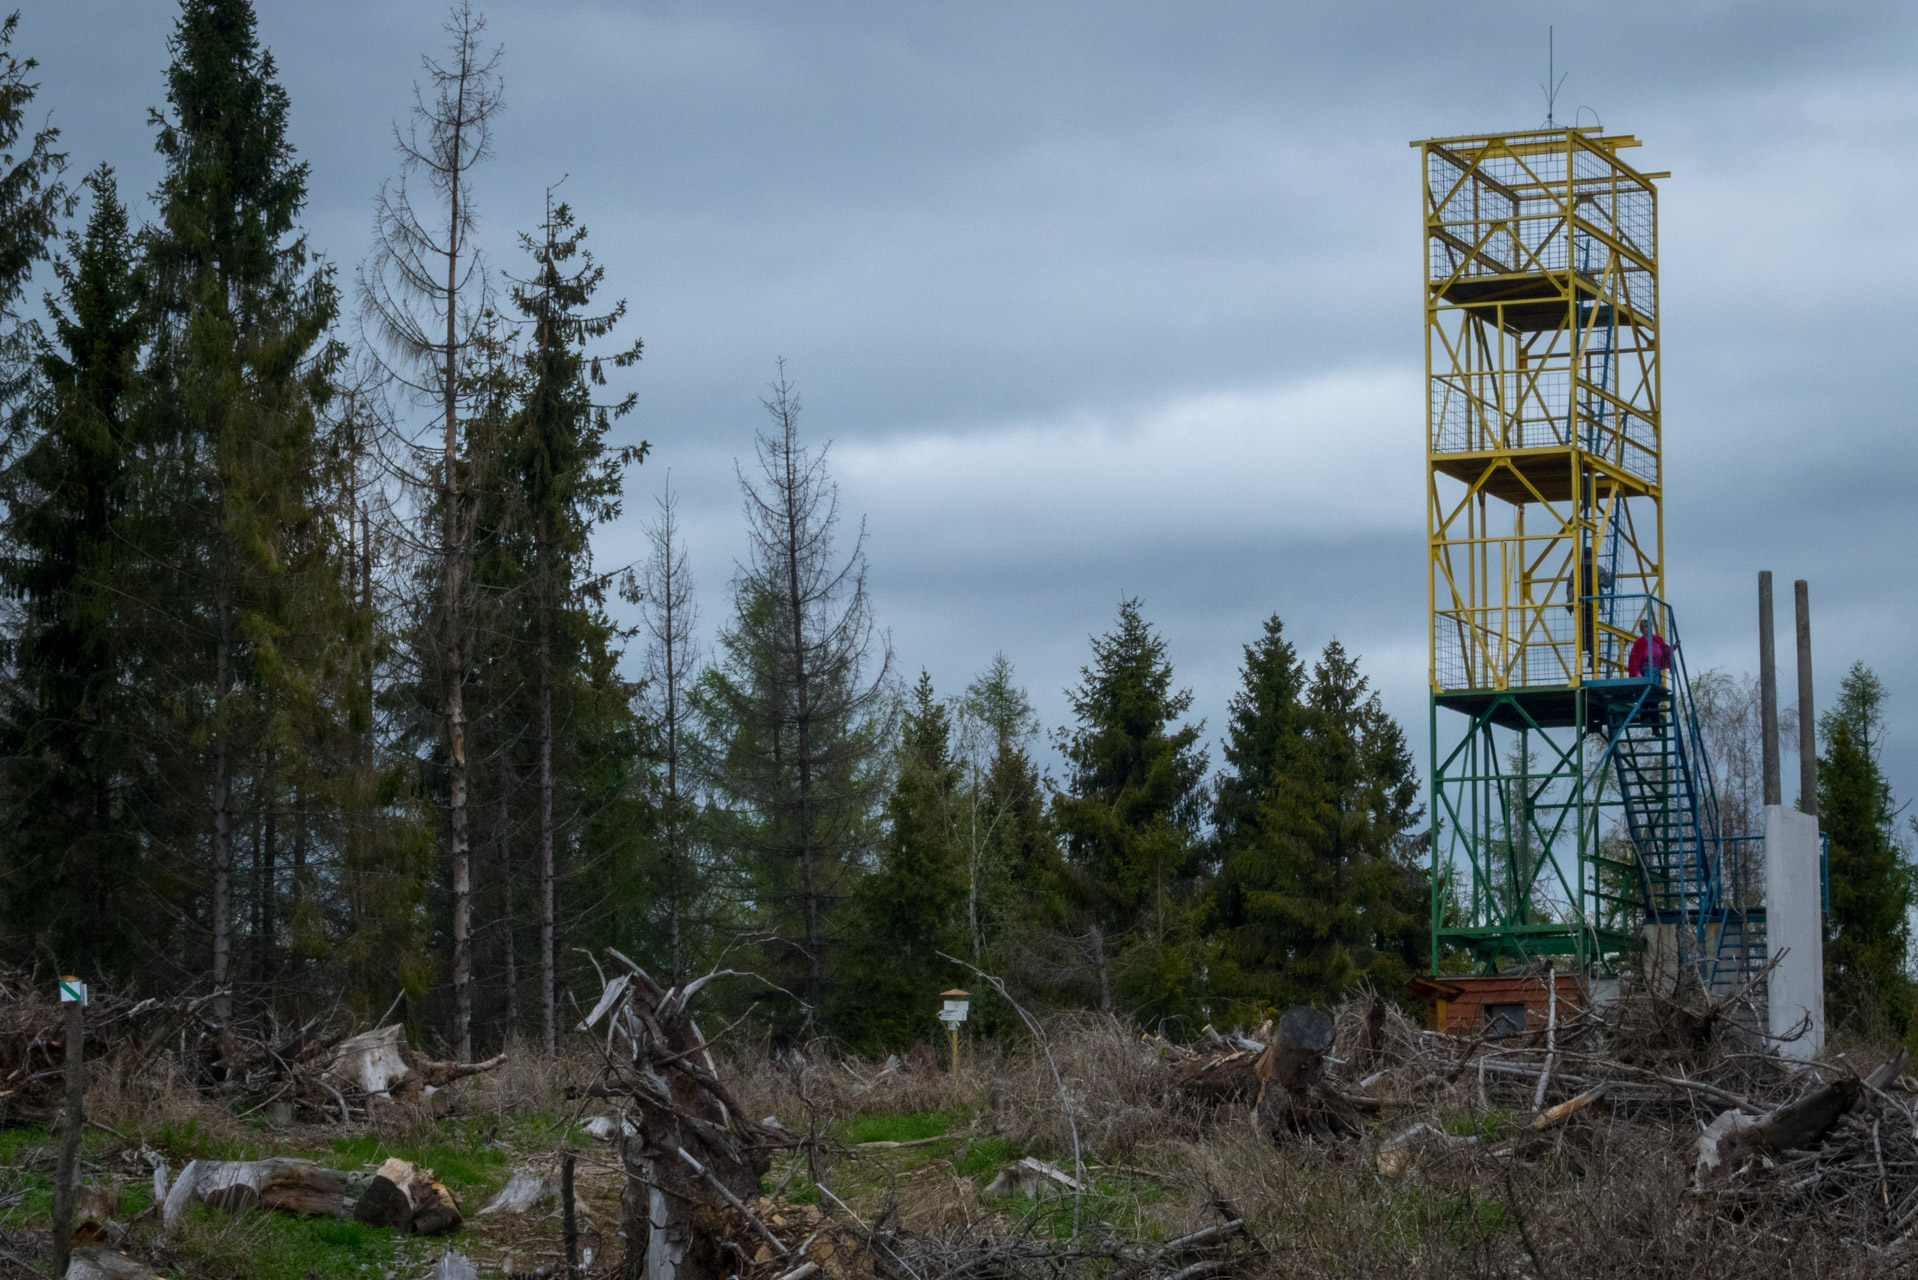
(1573, 805)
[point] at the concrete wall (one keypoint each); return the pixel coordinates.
(1794, 926)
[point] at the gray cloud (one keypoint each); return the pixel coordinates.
(1101, 298)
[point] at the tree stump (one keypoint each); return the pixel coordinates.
(1294, 1097)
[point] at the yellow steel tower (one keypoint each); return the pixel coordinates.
(1570, 802)
(1541, 352)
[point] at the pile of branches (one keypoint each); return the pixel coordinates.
(333, 1076)
(323, 1071)
(1216, 1069)
(1225, 1249)
(120, 1030)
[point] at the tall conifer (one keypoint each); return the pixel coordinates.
(71, 740)
(240, 366)
(1129, 814)
(910, 908)
(566, 481)
(1868, 929)
(1319, 885)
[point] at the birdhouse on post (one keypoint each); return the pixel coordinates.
(954, 1013)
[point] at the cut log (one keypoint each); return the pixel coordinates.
(435, 1210)
(386, 1202)
(1730, 1140)
(281, 1183)
(408, 1198)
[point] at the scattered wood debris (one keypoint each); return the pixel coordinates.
(1031, 1176)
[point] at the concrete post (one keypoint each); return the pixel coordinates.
(1794, 930)
(1768, 690)
(1807, 719)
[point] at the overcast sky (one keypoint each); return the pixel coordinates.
(1102, 299)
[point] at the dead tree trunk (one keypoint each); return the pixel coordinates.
(697, 1159)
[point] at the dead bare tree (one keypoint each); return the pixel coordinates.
(423, 293)
(669, 616)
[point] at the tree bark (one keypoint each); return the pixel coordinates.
(502, 848)
(455, 669)
(548, 979)
(222, 804)
(283, 1183)
(66, 1172)
(675, 879)
(802, 714)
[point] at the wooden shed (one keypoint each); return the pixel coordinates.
(1501, 1004)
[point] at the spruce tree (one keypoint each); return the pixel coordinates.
(240, 368)
(1319, 885)
(909, 908)
(1129, 815)
(32, 201)
(1868, 928)
(669, 620)
(69, 729)
(792, 712)
(996, 727)
(424, 293)
(567, 481)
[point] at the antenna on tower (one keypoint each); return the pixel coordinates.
(1555, 81)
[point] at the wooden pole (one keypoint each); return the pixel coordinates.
(1807, 720)
(1768, 690)
(952, 1029)
(568, 1224)
(65, 1186)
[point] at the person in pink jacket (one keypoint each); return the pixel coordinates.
(1649, 655)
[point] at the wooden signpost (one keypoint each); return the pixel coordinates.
(73, 994)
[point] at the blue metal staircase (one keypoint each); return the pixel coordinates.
(1689, 878)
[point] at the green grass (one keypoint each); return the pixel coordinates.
(1488, 1126)
(1410, 1216)
(183, 1142)
(27, 1158)
(914, 1126)
(277, 1246)
(459, 1159)
(985, 1157)
(15, 1144)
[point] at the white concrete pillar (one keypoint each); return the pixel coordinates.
(1795, 928)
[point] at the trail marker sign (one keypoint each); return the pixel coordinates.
(73, 991)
